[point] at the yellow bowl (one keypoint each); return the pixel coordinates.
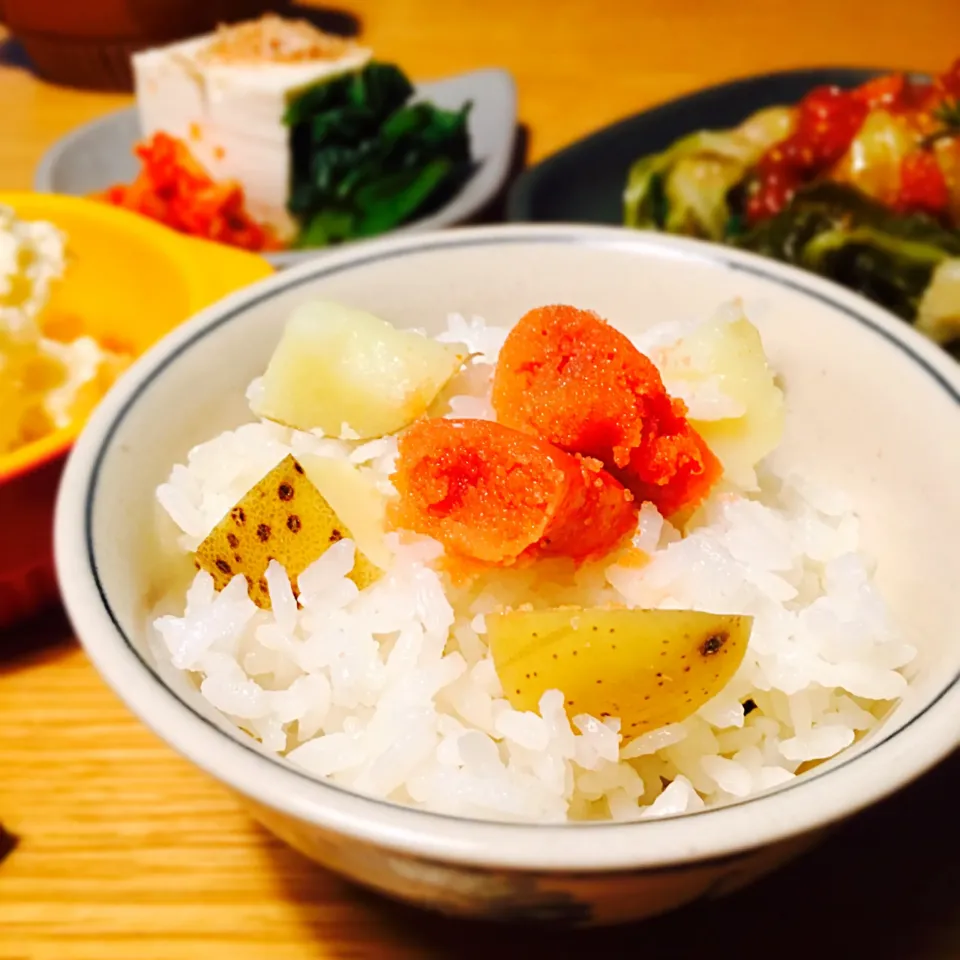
(130, 281)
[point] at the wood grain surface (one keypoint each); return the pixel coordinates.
(125, 852)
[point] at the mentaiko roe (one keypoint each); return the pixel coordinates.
(569, 377)
(497, 495)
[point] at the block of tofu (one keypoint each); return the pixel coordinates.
(224, 95)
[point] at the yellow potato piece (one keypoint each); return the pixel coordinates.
(283, 518)
(730, 352)
(356, 500)
(352, 374)
(647, 667)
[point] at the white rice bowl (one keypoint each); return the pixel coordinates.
(391, 691)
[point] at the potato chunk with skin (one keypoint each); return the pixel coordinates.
(349, 373)
(647, 667)
(282, 518)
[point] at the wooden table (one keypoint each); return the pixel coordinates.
(127, 853)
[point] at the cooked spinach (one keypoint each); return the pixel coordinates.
(365, 159)
(835, 231)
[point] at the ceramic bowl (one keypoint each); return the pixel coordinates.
(129, 281)
(871, 408)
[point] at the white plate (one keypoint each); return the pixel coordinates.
(100, 153)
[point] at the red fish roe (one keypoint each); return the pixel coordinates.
(674, 469)
(569, 377)
(493, 494)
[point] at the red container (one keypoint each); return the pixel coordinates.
(27, 581)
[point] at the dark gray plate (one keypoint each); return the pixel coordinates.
(100, 153)
(584, 183)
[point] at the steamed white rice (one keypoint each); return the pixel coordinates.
(391, 691)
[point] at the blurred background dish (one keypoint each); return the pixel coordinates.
(584, 181)
(89, 44)
(852, 174)
(126, 283)
(101, 153)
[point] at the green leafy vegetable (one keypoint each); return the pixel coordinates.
(685, 188)
(836, 231)
(366, 160)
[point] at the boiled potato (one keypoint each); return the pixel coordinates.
(283, 518)
(355, 499)
(729, 352)
(647, 667)
(351, 374)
